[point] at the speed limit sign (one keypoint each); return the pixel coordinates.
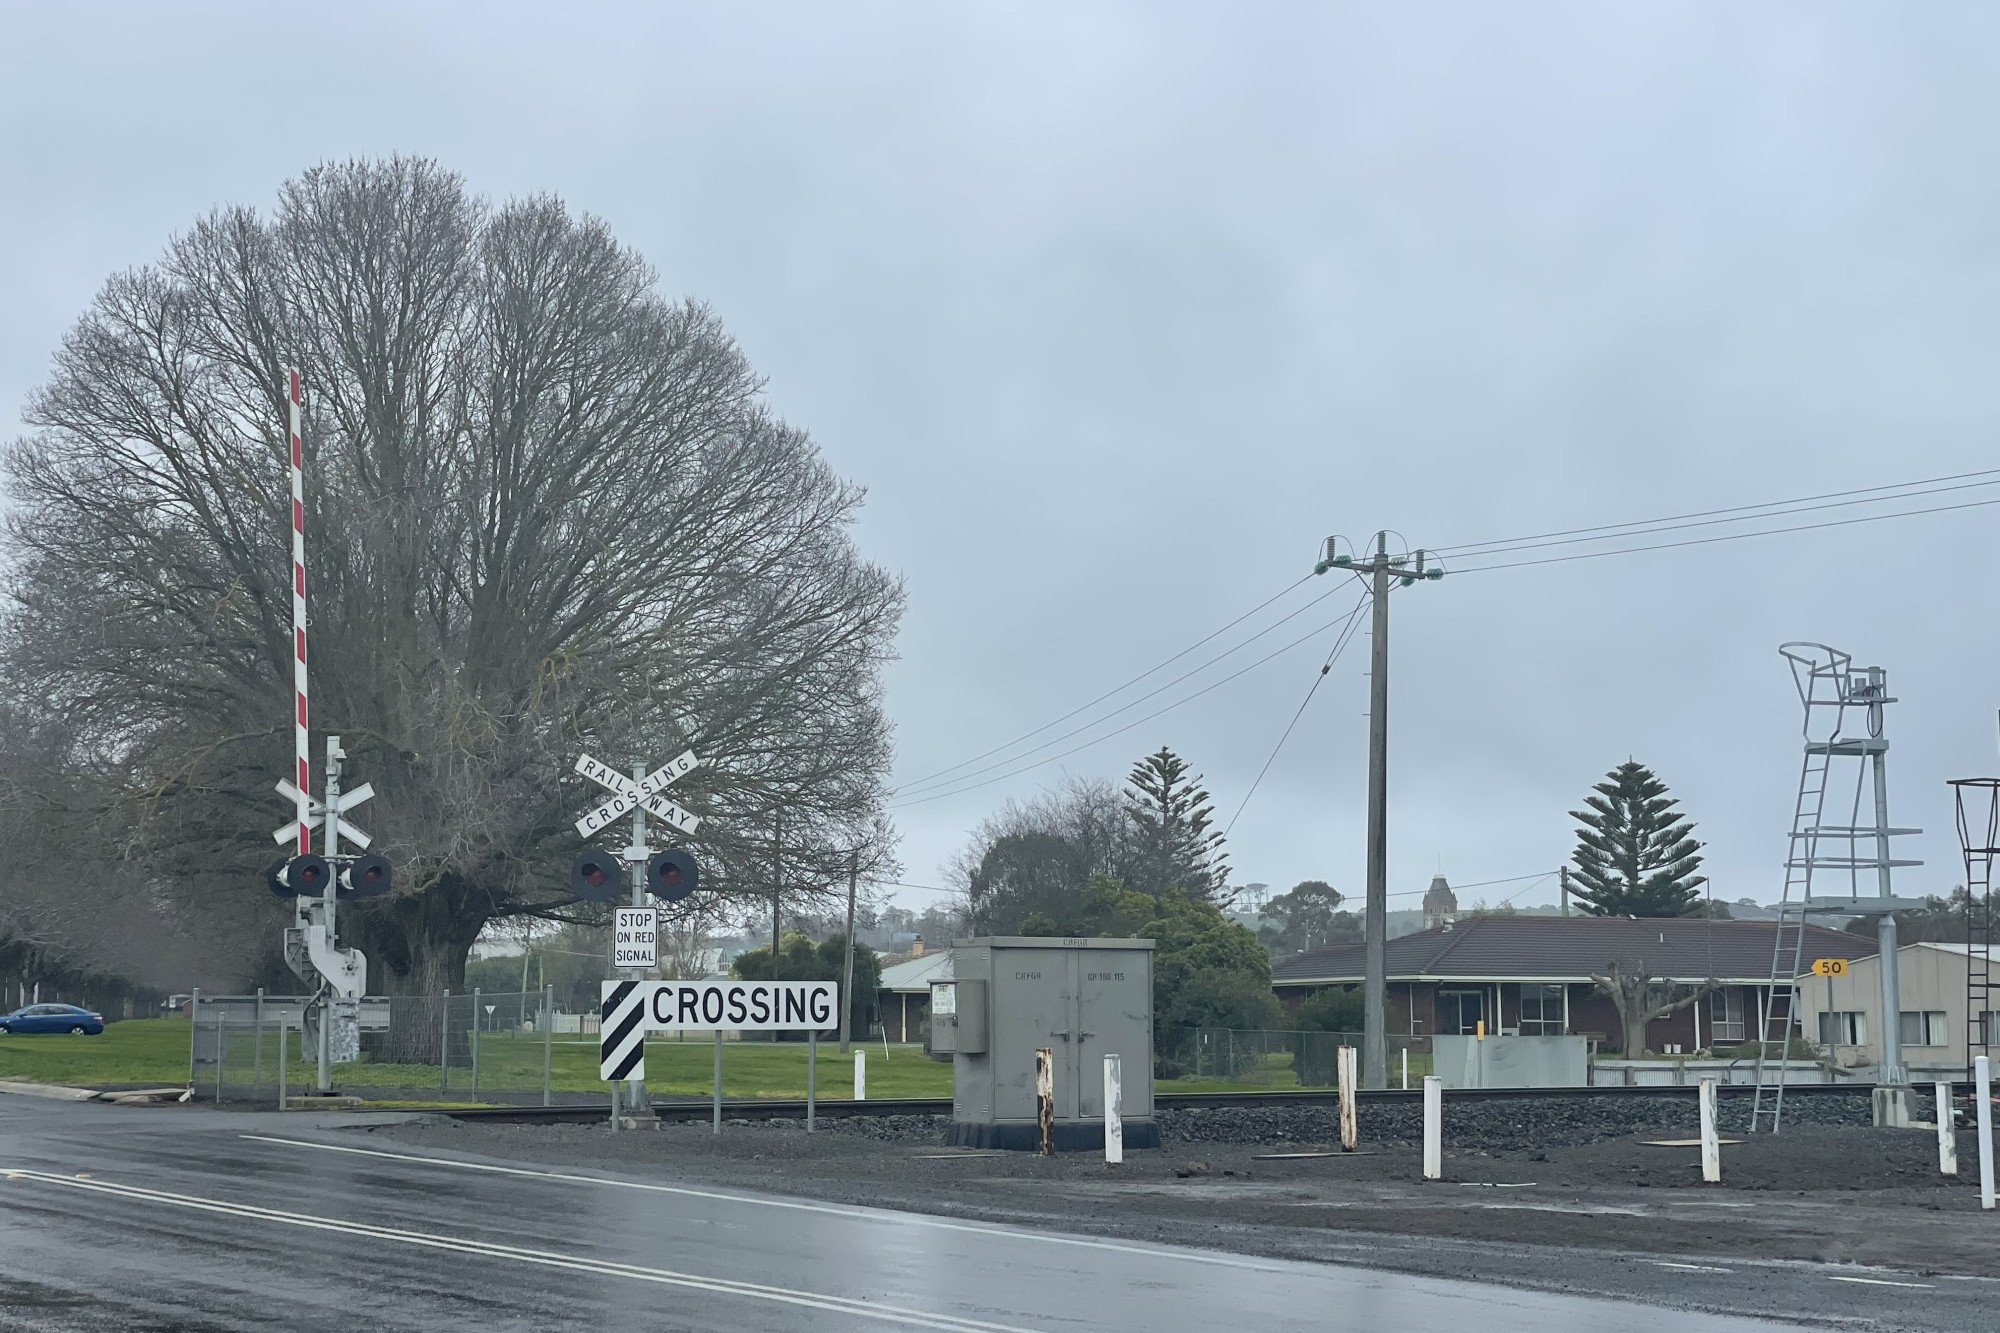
(1829, 967)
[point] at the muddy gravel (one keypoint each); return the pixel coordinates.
(1587, 1173)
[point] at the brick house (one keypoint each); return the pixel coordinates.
(1531, 975)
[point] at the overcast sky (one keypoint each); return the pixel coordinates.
(1117, 311)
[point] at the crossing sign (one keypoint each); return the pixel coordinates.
(635, 942)
(629, 794)
(317, 813)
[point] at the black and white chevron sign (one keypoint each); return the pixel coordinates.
(621, 1031)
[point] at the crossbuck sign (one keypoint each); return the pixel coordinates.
(628, 794)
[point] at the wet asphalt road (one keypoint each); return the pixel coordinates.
(183, 1222)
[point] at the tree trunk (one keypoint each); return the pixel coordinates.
(416, 945)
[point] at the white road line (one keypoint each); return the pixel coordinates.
(1691, 1268)
(795, 1205)
(1877, 1282)
(516, 1254)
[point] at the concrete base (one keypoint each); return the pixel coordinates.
(1892, 1107)
(1026, 1136)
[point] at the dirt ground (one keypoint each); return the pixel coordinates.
(1845, 1194)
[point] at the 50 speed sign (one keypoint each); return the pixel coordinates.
(1829, 967)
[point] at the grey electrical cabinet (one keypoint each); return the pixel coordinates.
(1082, 999)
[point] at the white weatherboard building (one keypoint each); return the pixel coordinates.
(1844, 1014)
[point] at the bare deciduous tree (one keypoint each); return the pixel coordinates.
(547, 511)
(1640, 998)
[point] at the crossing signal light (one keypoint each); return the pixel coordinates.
(596, 876)
(366, 876)
(274, 880)
(671, 875)
(306, 876)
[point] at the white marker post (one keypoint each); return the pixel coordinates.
(1345, 1064)
(1711, 1147)
(1433, 1127)
(1947, 1130)
(860, 1075)
(1114, 1111)
(1406, 1069)
(1982, 1094)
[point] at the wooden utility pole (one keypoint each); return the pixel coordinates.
(1380, 569)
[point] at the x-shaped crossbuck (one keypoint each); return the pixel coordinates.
(628, 793)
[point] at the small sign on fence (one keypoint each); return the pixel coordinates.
(636, 943)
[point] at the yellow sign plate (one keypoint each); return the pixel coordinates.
(1829, 967)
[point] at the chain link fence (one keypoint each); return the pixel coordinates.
(1253, 1058)
(509, 1047)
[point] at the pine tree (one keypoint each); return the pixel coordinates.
(1173, 839)
(1635, 856)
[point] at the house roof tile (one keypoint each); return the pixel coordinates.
(1549, 948)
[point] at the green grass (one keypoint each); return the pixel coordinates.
(149, 1050)
(155, 1050)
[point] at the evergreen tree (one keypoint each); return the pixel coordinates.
(1174, 843)
(1635, 856)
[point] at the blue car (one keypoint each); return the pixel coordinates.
(52, 1018)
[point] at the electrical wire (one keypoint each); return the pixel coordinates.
(918, 788)
(1491, 547)
(1099, 740)
(1028, 735)
(1728, 537)
(1346, 633)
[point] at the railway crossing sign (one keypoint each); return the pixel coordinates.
(631, 1009)
(635, 942)
(629, 794)
(316, 813)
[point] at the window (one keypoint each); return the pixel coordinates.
(1922, 1027)
(1542, 1011)
(1460, 1011)
(1725, 1016)
(1843, 1028)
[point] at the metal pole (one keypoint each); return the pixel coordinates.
(847, 972)
(194, 1030)
(475, 1043)
(777, 880)
(1565, 890)
(1374, 990)
(548, 1043)
(812, 1076)
(334, 754)
(257, 1079)
(444, 1046)
(638, 852)
(221, 1051)
(281, 1063)
(715, 1126)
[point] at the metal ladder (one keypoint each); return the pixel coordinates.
(1788, 943)
(1978, 804)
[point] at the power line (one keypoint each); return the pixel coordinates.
(913, 788)
(1484, 548)
(1099, 740)
(1743, 518)
(1346, 633)
(1027, 735)
(1731, 536)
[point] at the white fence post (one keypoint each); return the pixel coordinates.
(1344, 1063)
(1711, 1148)
(860, 1075)
(1982, 1095)
(1114, 1110)
(1433, 1127)
(1947, 1129)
